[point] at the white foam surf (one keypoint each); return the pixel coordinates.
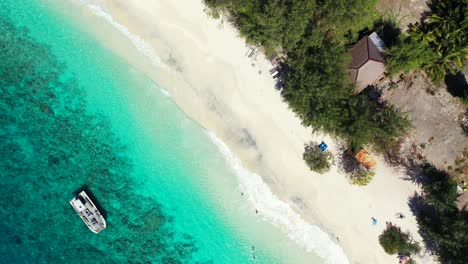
(165, 92)
(308, 236)
(136, 40)
(279, 213)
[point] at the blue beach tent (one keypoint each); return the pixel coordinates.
(323, 146)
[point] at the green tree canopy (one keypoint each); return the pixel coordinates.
(438, 45)
(441, 220)
(316, 159)
(394, 241)
(315, 35)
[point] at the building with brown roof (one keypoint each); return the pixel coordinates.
(367, 62)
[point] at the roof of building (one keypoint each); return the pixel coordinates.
(366, 49)
(365, 159)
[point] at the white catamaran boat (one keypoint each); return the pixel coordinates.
(88, 212)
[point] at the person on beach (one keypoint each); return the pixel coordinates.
(374, 220)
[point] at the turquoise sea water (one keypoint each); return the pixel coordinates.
(73, 115)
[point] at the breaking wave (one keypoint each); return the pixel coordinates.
(308, 236)
(165, 92)
(279, 213)
(136, 40)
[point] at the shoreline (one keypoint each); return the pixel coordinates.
(211, 80)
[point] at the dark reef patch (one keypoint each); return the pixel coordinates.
(50, 145)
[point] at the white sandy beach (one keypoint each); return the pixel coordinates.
(202, 64)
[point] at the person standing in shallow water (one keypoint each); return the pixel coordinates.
(252, 249)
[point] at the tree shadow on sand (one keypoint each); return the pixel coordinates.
(345, 161)
(414, 172)
(417, 205)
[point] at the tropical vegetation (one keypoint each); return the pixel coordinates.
(361, 177)
(394, 241)
(442, 223)
(315, 37)
(318, 160)
(438, 45)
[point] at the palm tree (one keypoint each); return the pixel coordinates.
(445, 31)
